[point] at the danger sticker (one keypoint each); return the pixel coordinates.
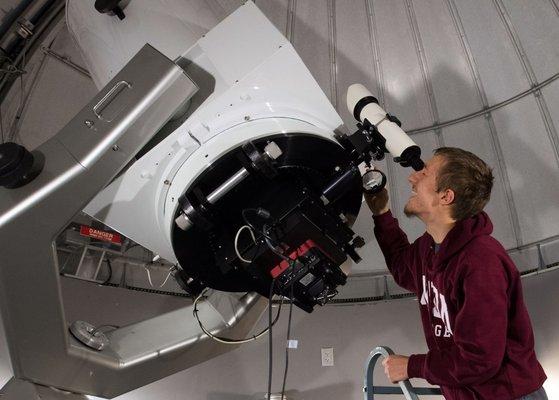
(98, 234)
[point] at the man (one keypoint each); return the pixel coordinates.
(479, 335)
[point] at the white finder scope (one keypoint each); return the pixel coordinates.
(365, 108)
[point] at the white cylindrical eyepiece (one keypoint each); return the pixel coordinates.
(364, 106)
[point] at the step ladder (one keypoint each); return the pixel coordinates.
(409, 392)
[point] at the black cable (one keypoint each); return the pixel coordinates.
(110, 271)
(270, 344)
(287, 344)
(271, 245)
(256, 250)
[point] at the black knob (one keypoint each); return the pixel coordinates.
(16, 164)
(110, 6)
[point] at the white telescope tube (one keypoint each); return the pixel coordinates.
(363, 105)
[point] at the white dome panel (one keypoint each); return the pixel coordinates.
(531, 166)
(448, 69)
(405, 94)
(493, 51)
(475, 135)
(538, 31)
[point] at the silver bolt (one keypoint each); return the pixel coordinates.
(115, 147)
(167, 182)
(88, 123)
(247, 117)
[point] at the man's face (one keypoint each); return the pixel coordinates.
(425, 200)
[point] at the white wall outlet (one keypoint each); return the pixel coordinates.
(327, 356)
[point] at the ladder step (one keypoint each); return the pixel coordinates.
(397, 390)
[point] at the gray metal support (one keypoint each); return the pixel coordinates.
(79, 161)
(331, 6)
(66, 60)
(291, 10)
(486, 110)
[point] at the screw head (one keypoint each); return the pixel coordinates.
(115, 147)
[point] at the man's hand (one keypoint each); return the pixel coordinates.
(396, 368)
(378, 203)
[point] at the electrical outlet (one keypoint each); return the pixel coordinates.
(327, 356)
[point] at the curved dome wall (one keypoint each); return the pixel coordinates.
(432, 62)
(477, 74)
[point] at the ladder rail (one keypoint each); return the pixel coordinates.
(405, 388)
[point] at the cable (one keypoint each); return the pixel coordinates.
(227, 340)
(260, 212)
(110, 271)
(237, 242)
(168, 275)
(287, 346)
(272, 247)
(292, 290)
(166, 278)
(265, 231)
(270, 344)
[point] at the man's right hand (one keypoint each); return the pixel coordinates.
(378, 203)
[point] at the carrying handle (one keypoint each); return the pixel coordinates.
(109, 97)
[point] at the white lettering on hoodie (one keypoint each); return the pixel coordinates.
(439, 309)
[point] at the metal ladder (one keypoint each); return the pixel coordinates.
(409, 392)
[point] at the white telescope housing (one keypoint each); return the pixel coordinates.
(364, 106)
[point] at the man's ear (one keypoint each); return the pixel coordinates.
(446, 197)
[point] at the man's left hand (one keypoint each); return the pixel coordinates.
(396, 368)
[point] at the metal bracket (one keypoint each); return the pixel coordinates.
(79, 162)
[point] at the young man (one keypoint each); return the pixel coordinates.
(479, 335)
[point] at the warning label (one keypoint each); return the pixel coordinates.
(98, 234)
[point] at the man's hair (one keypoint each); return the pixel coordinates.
(469, 177)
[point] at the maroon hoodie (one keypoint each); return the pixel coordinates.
(480, 339)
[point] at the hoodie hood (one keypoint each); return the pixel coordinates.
(460, 235)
